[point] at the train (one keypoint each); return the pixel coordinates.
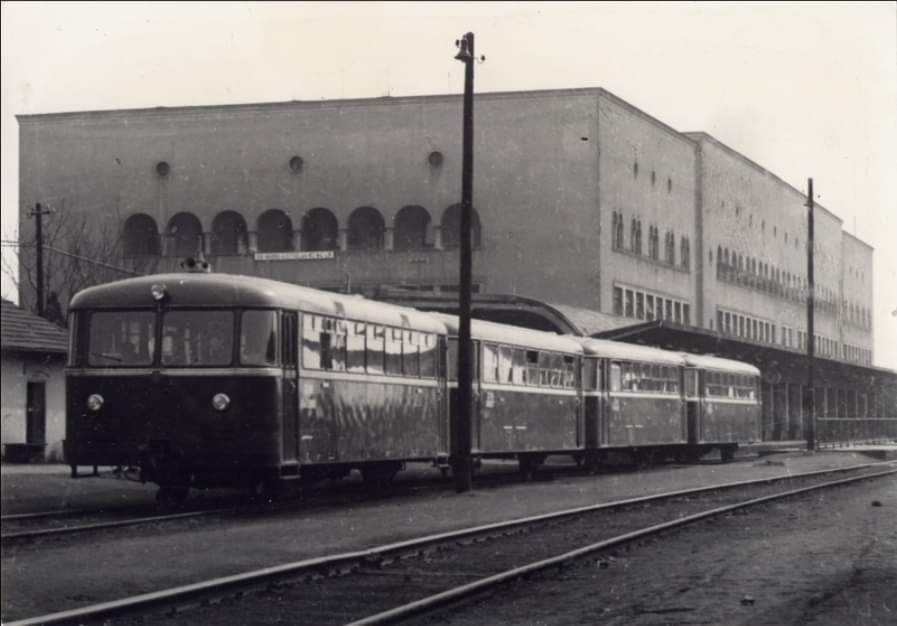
(198, 379)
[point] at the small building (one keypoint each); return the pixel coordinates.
(33, 385)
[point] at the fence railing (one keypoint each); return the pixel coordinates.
(840, 431)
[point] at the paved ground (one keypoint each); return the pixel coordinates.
(64, 574)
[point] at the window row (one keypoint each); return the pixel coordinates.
(750, 272)
(635, 242)
(643, 305)
(853, 313)
(745, 326)
(761, 224)
(857, 354)
(653, 178)
(735, 386)
(346, 346)
(536, 368)
(319, 230)
(188, 338)
(644, 377)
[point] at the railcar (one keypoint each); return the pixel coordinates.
(633, 400)
(526, 392)
(207, 380)
(723, 403)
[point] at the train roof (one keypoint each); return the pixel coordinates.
(717, 363)
(628, 351)
(189, 289)
(511, 335)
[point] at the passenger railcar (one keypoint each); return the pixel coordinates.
(209, 379)
(633, 398)
(526, 399)
(206, 380)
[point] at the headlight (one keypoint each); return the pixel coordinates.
(95, 402)
(158, 292)
(221, 401)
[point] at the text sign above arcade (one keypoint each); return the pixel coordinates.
(312, 255)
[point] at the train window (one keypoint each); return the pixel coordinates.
(197, 338)
(311, 341)
(258, 338)
(490, 363)
(428, 356)
(615, 377)
(121, 338)
(532, 367)
(411, 353)
(555, 370)
(355, 333)
(288, 338)
(569, 372)
(375, 348)
(505, 364)
(590, 374)
(393, 350)
(518, 371)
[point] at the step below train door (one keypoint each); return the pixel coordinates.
(692, 403)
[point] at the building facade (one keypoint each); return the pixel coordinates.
(580, 199)
(33, 385)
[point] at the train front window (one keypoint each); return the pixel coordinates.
(195, 338)
(121, 338)
(258, 338)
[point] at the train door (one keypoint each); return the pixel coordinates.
(36, 415)
(592, 414)
(692, 389)
(289, 336)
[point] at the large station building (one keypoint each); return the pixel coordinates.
(592, 216)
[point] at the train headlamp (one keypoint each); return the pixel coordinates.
(221, 401)
(158, 292)
(95, 402)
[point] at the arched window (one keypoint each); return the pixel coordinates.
(366, 228)
(229, 234)
(653, 242)
(451, 227)
(186, 234)
(319, 230)
(685, 252)
(275, 231)
(141, 236)
(410, 229)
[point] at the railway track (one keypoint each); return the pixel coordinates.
(31, 527)
(397, 581)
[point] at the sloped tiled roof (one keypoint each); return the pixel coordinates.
(25, 331)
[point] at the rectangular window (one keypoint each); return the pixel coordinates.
(127, 338)
(649, 307)
(505, 364)
(640, 305)
(719, 322)
(355, 340)
(668, 309)
(311, 341)
(615, 376)
(490, 363)
(677, 312)
(375, 349)
(518, 367)
(533, 377)
(569, 381)
(392, 339)
(630, 305)
(590, 374)
(618, 301)
(201, 338)
(258, 338)
(411, 353)
(686, 314)
(288, 324)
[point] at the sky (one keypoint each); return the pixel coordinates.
(805, 89)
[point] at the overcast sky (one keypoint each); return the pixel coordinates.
(805, 89)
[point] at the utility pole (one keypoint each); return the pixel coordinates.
(810, 420)
(461, 425)
(38, 214)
